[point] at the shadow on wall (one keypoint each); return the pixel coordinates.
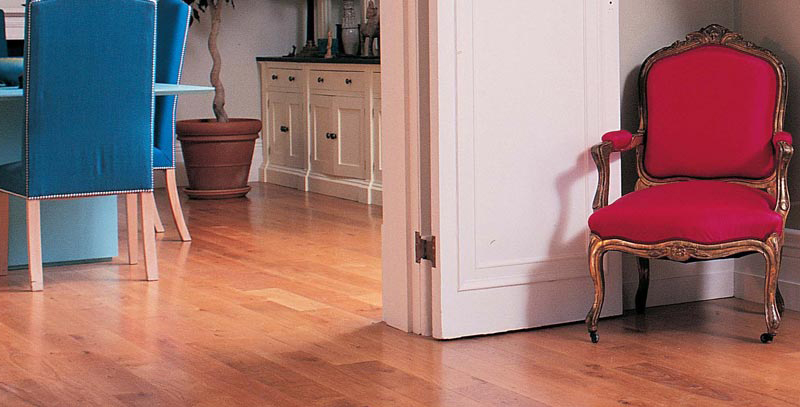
(792, 66)
(629, 120)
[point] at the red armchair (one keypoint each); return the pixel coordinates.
(712, 160)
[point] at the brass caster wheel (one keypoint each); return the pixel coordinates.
(767, 338)
(594, 336)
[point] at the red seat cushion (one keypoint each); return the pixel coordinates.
(706, 212)
(710, 114)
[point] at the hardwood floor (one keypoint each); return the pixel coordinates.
(276, 302)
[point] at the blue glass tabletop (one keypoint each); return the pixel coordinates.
(162, 89)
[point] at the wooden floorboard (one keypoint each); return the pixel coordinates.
(276, 302)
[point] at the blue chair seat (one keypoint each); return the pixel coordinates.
(161, 159)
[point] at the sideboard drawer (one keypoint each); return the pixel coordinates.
(338, 81)
(284, 78)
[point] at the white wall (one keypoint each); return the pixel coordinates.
(9, 4)
(253, 28)
(645, 26)
(772, 24)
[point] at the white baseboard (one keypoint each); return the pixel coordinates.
(750, 272)
(750, 287)
(346, 188)
(284, 176)
(354, 190)
(377, 194)
(180, 168)
(675, 283)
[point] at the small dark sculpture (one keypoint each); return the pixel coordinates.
(371, 30)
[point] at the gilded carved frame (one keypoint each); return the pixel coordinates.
(775, 184)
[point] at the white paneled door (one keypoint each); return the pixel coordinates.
(521, 89)
(489, 110)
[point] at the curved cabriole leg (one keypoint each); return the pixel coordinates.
(596, 271)
(175, 205)
(771, 312)
(644, 284)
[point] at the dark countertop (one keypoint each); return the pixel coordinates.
(317, 60)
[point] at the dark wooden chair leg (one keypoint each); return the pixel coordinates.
(771, 311)
(596, 271)
(644, 284)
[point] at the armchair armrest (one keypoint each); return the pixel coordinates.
(620, 139)
(614, 141)
(783, 155)
(781, 136)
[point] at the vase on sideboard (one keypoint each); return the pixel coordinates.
(351, 36)
(350, 41)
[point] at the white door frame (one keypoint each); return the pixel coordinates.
(406, 284)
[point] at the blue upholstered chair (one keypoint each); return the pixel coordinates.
(3, 44)
(173, 26)
(89, 109)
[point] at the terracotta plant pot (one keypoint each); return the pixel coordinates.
(218, 156)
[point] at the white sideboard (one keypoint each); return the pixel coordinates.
(15, 19)
(322, 128)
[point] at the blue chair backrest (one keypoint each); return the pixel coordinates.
(89, 96)
(3, 43)
(173, 26)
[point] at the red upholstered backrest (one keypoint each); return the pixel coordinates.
(710, 114)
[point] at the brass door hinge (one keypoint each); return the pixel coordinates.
(425, 248)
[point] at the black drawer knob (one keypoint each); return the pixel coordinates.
(333, 136)
(291, 79)
(320, 79)
(284, 129)
(274, 77)
(348, 81)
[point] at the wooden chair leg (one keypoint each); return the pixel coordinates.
(779, 300)
(159, 226)
(4, 220)
(132, 210)
(148, 236)
(644, 284)
(596, 271)
(34, 245)
(175, 205)
(771, 312)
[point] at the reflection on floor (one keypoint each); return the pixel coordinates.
(276, 302)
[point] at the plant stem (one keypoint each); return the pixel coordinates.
(213, 49)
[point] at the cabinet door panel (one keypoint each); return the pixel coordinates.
(323, 150)
(287, 130)
(376, 134)
(350, 138)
